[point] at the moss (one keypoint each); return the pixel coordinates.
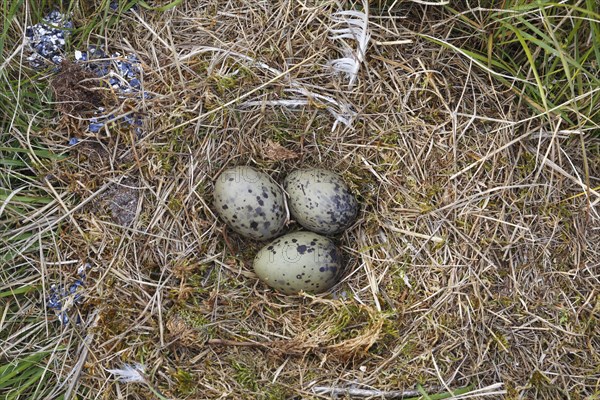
(195, 319)
(397, 282)
(564, 318)
(511, 391)
(501, 341)
(346, 315)
(389, 335)
(279, 134)
(527, 164)
(539, 380)
(199, 66)
(186, 382)
(175, 205)
(245, 375)
(113, 321)
(409, 350)
(203, 273)
(276, 392)
(227, 83)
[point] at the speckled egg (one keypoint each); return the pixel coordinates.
(250, 202)
(320, 200)
(299, 261)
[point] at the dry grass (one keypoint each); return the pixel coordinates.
(474, 260)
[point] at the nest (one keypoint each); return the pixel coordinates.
(473, 262)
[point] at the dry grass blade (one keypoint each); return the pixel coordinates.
(473, 262)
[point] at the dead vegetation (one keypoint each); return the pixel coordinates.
(76, 90)
(474, 261)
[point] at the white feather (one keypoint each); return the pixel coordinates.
(348, 66)
(357, 29)
(129, 373)
(283, 102)
(339, 110)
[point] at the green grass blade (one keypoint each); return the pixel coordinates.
(595, 28)
(19, 291)
(440, 396)
(10, 370)
(166, 7)
(12, 163)
(34, 378)
(8, 14)
(5, 195)
(38, 152)
(532, 65)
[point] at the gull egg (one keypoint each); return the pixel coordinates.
(320, 200)
(250, 203)
(299, 261)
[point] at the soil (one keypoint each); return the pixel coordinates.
(76, 91)
(121, 201)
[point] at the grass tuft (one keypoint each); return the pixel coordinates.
(471, 270)
(546, 52)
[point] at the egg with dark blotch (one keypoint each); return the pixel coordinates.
(299, 261)
(320, 200)
(250, 203)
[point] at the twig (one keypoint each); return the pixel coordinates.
(83, 353)
(460, 393)
(226, 342)
(433, 238)
(387, 394)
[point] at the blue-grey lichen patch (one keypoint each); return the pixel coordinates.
(101, 118)
(64, 300)
(250, 202)
(299, 261)
(46, 40)
(320, 200)
(122, 73)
